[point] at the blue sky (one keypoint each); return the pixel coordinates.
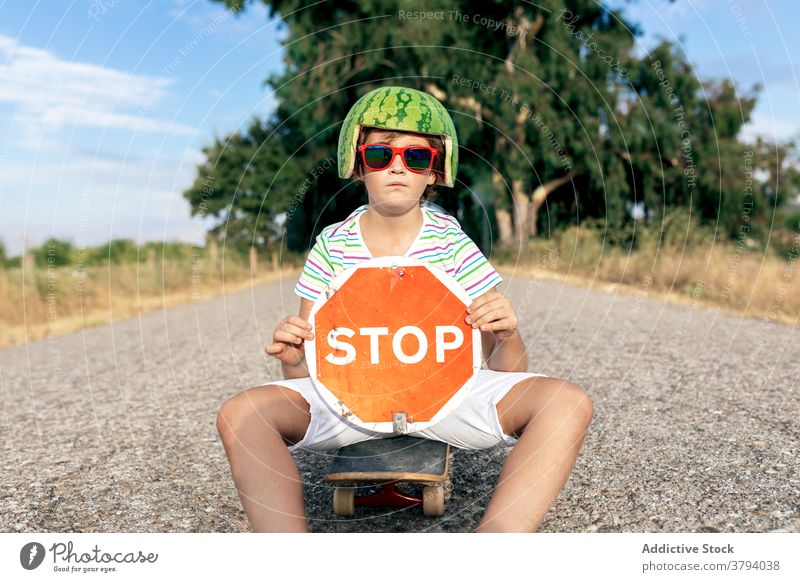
(105, 105)
(749, 41)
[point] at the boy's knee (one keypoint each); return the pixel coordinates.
(239, 412)
(229, 417)
(266, 408)
(581, 404)
(570, 401)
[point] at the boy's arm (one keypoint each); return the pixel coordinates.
(506, 355)
(503, 348)
(301, 369)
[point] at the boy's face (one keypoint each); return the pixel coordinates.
(396, 188)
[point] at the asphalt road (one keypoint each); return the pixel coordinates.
(695, 427)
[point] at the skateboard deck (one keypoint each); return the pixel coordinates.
(389, 461)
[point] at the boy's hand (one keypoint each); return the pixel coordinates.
(288, 339)
(493, 312)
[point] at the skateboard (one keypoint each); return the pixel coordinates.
(387, 462)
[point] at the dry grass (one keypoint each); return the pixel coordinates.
(60, 300)
(756, 284)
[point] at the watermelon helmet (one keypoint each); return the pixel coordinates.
(398, 109)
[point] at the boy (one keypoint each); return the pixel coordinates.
(399, 142)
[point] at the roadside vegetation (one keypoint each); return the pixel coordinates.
(58, 288)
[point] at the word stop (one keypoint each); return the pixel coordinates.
(456, 340)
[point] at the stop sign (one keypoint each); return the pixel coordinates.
(390, 339)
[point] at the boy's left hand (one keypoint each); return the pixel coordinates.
(492, 311)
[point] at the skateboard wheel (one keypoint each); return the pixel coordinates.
(433, 500)
(344, 501)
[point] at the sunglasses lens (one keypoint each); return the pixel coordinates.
(377, 157)
(418, 159)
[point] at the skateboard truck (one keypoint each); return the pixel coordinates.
(399, 424)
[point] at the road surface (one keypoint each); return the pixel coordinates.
(695, 427)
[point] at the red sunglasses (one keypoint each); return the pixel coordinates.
(416, 158)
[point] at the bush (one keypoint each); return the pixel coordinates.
(785, 243)
(117, 251)
(791, 221)
(678, 228)
(54, 252)
(583, 244)
(172, 251)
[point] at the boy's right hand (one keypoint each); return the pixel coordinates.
(287, 341)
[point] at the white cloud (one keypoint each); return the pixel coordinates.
(49, 93)
(90, 200)
(769, 128)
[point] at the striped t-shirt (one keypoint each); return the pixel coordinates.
(440, 242)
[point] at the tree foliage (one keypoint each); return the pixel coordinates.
(558, 121)
(54, 253)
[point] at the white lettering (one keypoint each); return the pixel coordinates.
(442, 345)
(398, 349)
(373, 333)
(446, 338)
(338, 345)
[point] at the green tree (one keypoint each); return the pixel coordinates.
(534, 84)
(247, 180)
(54, 252)
(557, 119)
(679, 138)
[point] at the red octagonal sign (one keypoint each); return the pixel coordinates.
(390, 342)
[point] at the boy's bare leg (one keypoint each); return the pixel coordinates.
(552, 416)
(256, 426)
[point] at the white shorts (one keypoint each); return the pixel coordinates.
(474, 424)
